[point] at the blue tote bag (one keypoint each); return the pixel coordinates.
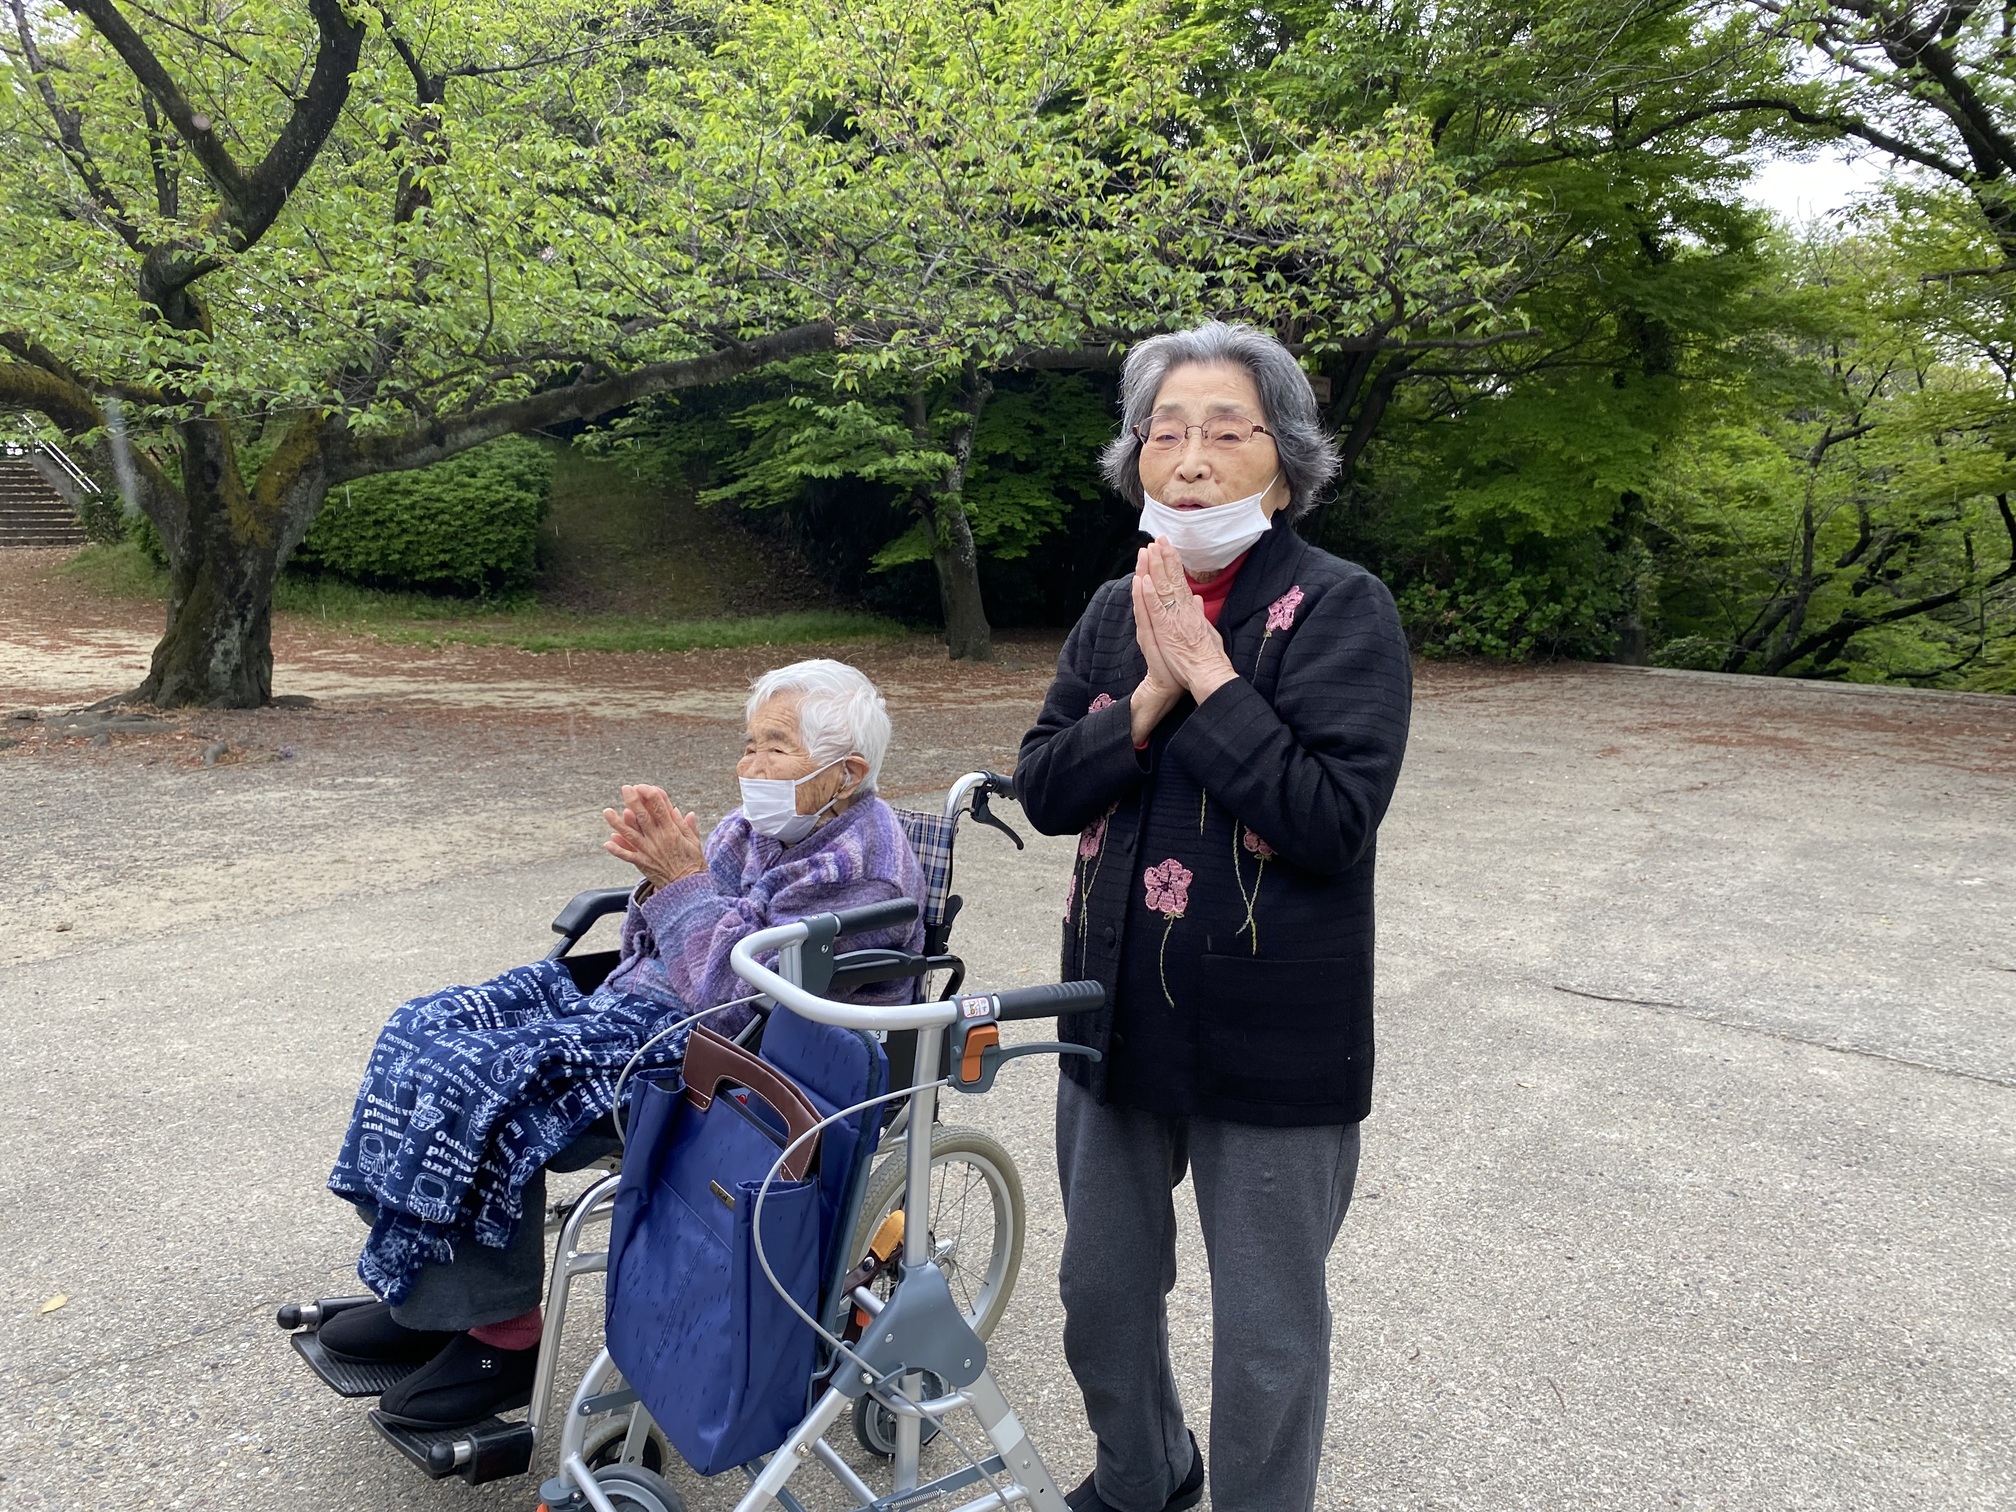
(716, 1355)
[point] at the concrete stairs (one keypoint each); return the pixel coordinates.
(32, 513)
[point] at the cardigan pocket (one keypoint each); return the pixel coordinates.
(1277, 1031)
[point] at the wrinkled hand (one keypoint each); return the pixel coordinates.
(1156, 696)
(652, 835)
(1188, 644)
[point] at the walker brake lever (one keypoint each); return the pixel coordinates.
(977, 1052)
(986, 815)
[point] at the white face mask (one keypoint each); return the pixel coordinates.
(770, 804)
(1207, 539)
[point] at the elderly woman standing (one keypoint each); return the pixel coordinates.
(1224, 732)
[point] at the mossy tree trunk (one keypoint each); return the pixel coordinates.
(953, 553)
(226, 544)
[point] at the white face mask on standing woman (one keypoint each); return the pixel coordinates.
(1207, 539)
(771, 806)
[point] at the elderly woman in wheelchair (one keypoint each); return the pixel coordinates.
(472, 1091)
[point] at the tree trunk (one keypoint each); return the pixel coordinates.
(218, 649)
(957, 560)
(224, 556)
(967, 634)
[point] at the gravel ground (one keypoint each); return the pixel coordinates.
(1691, 1180)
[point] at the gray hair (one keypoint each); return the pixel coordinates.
(1309, 457)
(840, 712)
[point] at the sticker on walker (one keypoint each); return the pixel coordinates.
(979, 1006)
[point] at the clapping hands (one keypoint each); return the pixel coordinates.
(652, 835)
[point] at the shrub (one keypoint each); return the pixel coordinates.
(466, 526)
(104, 518)
(1493, 609)
(1693, 653)
(142, 533)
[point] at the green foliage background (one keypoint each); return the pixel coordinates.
(1592, 402)
(468, 526)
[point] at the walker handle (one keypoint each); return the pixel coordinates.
(1049, 1000)
(876, 916)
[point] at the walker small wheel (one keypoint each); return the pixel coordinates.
(875, 1425)
(604, 1445)
(632, 1488)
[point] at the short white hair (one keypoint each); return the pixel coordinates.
(840, 712)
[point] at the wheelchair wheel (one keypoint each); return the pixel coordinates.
(977, 1215)
(631, 1488)
(875, 1425)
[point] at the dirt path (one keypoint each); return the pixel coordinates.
(404, 764)
(397, 765)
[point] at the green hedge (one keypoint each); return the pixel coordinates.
(469, 525)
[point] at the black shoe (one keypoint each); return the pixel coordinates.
(1187, 1494)
(464, 1383)
(368, 1336)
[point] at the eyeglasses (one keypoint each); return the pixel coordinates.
(1224, 433)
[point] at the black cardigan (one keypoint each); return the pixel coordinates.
(1223, 885)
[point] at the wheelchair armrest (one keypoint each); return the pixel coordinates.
(584, 908)
(857, 968)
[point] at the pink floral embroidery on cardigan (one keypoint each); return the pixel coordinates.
(1103, 701)
(1281, 613)
(1085, 872)
(1169, 887)
(1168, 894)
(1262, 852)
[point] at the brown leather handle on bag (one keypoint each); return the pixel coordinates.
(712, 1060)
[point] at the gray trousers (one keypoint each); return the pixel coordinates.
(483, 1285)
(1270, 1202)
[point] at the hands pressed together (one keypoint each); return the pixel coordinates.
(1183, 650)
(652, 835)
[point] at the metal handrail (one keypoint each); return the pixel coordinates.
(63, 460)
(56, 454)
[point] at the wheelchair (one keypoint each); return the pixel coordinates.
(970, 1183)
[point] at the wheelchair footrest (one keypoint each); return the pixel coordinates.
(348, 1378)
(479, 1452)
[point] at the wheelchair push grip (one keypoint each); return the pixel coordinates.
(1049, 1000)
(876, 915)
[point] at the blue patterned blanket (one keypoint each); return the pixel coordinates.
(468, 1092)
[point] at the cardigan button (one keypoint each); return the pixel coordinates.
(1109, 936)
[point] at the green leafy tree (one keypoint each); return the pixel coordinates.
(1502, 483)
(1852, 518)
(351, 239)
(363, 239)
(1036, 185)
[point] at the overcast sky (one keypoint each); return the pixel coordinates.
(1820, 185)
